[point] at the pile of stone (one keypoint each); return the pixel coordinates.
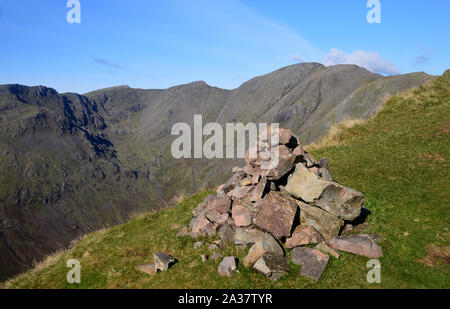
(285, 208)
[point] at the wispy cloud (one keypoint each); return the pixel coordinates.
(424, 57)
(297, 58)
(107, 63)
(369, 60)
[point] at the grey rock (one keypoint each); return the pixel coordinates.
(147, 268)
(227, 266)
(267, 244)
(247, 236)
(216, 256)
(198, 244)
(313, 261)
(361, 244)
(226, 232)
(272, 266)
(338, 200)
(163, 261)
(327, 224)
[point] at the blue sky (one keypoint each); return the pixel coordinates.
(159, 44)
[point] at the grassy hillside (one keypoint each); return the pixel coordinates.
(399, 160)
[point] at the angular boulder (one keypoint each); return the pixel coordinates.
(327, 224)
(257, 193)
(239, 192)
(221, 205)
(286, 162)
(247, 236)
(272, 266)
(338, 200)
(276, 214)
(313, 261)
(304, 235)
(216, 217)
(267, 244)
(361, 244)
(226, 232)
(242, 216)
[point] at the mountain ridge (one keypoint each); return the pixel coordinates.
(73, 163)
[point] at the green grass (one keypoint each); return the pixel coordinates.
(399, 160)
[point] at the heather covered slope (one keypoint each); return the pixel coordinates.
(399, 160)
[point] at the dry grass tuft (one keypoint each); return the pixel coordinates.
(332, 138)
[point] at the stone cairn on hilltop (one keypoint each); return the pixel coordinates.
(287, 207)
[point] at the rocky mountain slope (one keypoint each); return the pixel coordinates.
(72, 163)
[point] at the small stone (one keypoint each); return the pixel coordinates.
(184, 231)
(147, 268)
(324, 248)
(216, 256)
(304, 235)
(361, 244)
(163, 261)
(204, 258)
(272, 266)
(313, 261)
(242, 216)
(227, 266)
(198, 244)
(348, 229)
(212, 247)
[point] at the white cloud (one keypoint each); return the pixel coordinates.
(369, 60)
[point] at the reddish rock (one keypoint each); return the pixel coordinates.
(255, 179)
(216, 217)
(147, 268)
(276, 214)
(239, 192)
(304, 235)
(313, 261)
(221, 204)
(286, 161)
(361, 244)
(241, 215)
(258, 192)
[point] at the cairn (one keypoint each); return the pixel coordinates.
(287, 207)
